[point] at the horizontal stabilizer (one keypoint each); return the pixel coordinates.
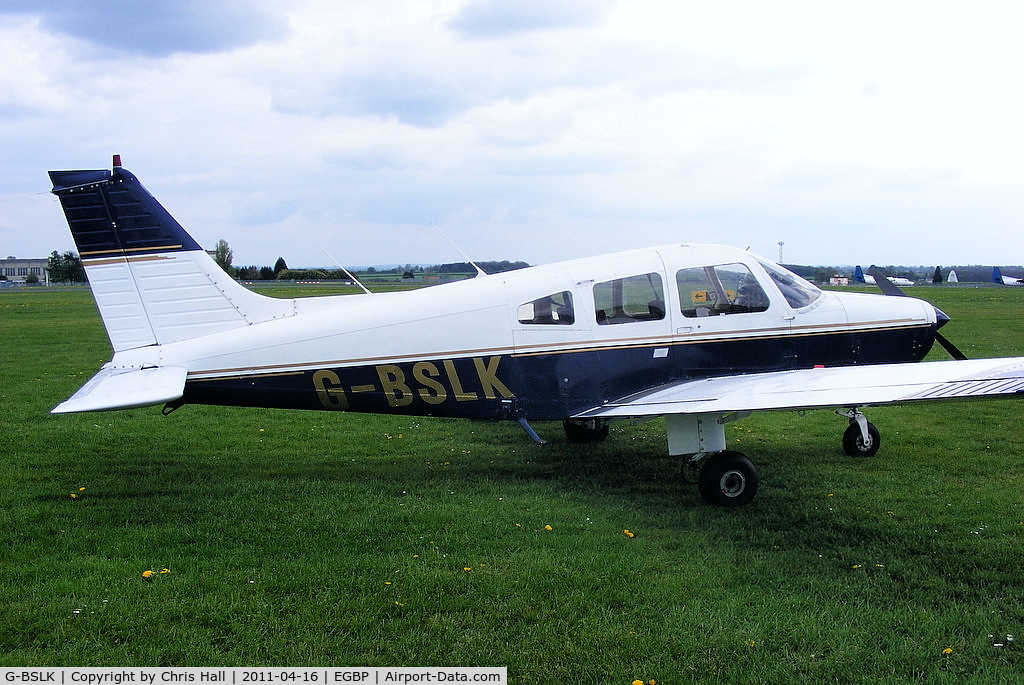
(126, 388)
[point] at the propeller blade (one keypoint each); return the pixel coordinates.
(941, 318)
(954, 352)
(885, 285)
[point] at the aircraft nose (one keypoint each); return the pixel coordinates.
(941, 318)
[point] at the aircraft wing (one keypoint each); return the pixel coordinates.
(848, 386)
(126, 388)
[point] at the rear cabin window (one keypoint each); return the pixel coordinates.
(551, 309)
(716, 290)
(627, 300)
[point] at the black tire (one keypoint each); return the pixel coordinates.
(585, 431)
(854, 444)
(728, 479)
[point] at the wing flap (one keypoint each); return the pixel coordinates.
(126, 388)
(849, 386)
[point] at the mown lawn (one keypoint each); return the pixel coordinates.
(292, 538)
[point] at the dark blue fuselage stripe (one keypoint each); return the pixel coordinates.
(547, 386)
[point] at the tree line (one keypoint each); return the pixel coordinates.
(67, 268)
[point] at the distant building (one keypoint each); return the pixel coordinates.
(17, 270)
(839, 280)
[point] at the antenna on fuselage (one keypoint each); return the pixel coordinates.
(479, 271)
(347, 272)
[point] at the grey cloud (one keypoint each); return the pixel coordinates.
(156, 29)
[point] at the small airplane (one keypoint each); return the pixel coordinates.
(701, 335)
(998, 277)
(870, 278)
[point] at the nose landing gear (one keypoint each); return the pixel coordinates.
(861, 438)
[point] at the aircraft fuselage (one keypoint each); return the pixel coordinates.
(546, 342)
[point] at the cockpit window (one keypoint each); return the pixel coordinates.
(627, 300)
(798, 292)
(722, 289)
(552, 309)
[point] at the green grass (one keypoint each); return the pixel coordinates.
(339, 539)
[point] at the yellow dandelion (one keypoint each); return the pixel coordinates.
(855, 566)
(74, 495)
(638, 682)
(947, 650)
(81, 489)
(164, 571)
(548, 527)
(467, 569)
(628, 533)
(147, 575)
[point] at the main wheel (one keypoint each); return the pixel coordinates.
(593, 430)
(728, 479)
(854, 443)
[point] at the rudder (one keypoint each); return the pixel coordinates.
(152, 282)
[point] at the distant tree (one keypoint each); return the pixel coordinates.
(279, 266)
(65, 268)
(937, 277)
(223, 254)
(408, 274)
(247, 273)
(302, 275)
(32, 279)
(266, 273)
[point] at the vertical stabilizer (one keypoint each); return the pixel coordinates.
(152, 282)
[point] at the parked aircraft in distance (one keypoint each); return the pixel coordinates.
(998, 277)
(860, 277)
(952, 277)
(702, 335)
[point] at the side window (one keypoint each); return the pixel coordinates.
(625, 300)
(553, 309)
(798, 292)
(715, 290)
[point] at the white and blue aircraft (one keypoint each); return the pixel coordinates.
(701, 335)
(998, 277)
(869, 278)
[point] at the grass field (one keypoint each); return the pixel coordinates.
(290, 538)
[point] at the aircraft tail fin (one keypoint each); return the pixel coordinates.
(997, 276)
(858, 275)
(152, 282)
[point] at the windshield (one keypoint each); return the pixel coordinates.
(798, 292)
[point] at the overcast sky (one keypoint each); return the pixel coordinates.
(537, 130)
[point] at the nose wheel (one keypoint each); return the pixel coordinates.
(861, 438)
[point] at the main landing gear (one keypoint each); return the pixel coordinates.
(727, 478)
(724, 478)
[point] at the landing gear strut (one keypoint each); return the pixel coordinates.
(585, 430)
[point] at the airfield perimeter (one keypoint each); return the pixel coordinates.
(305, 538)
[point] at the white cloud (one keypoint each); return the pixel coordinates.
(526, 130)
